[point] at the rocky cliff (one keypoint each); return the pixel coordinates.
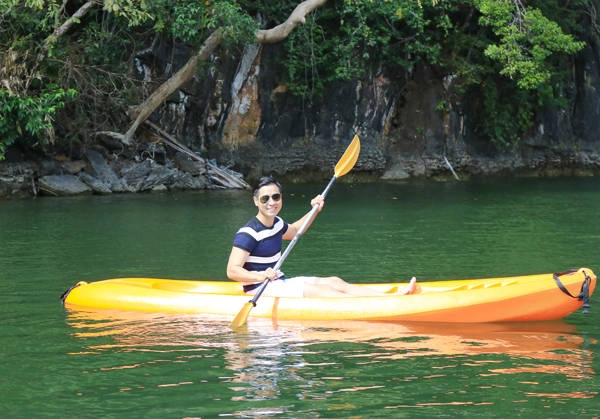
(239, 112)
(245, 117)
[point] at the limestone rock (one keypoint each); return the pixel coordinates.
(62, 185)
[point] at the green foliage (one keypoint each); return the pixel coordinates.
(354, 38)
(237, 26)
(135, 12)
(507, 113)
(30, 118)
(526, 40)
(192, 21)
(530, 51)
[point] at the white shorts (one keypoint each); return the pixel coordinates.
(288, 287)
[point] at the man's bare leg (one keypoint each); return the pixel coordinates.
(334, 286)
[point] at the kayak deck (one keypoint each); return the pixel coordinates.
(508, 299)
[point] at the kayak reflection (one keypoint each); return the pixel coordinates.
(130, 331)
(308, 358)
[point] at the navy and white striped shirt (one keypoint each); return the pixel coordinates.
(263, 243)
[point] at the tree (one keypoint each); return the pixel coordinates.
(28, 110)
(276, 34)
(224, 13)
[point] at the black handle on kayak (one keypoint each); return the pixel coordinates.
(584, 294)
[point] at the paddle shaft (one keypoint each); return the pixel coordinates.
(290, 246)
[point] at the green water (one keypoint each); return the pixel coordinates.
(60, 364)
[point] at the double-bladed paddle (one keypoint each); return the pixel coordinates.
(343, 166)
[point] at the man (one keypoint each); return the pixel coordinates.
(257, 248)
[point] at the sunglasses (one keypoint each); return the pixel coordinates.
(265, 198)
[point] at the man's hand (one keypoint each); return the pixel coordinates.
(318, 200)
(271, 274)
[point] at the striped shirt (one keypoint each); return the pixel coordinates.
(263, 243)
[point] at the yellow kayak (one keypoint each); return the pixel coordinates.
(509, 299)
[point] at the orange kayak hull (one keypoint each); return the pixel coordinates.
(508, 299)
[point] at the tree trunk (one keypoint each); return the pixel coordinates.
(184, 74)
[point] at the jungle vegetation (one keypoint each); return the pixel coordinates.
(67, 66)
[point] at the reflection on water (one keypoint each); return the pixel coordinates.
(327, 361)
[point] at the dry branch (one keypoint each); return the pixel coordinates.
(216, 174)
(62, 29)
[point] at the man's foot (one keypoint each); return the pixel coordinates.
(412, 287)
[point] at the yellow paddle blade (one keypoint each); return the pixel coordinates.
(242, 316)
(348, 159)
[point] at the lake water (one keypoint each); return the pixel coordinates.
(61, 364)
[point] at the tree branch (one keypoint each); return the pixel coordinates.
(281, 31)
(62, 29)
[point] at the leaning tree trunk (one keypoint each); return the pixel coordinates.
(185, 73)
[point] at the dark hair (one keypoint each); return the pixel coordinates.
(264, 181)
